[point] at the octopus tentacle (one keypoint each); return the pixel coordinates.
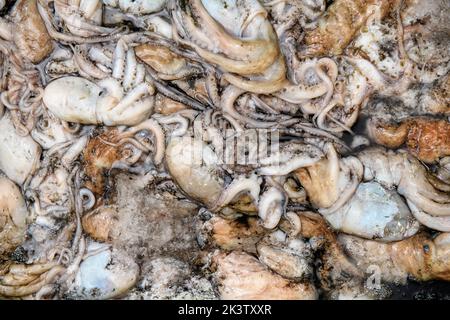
(36, 285)
(436, 223)
(271, 207)
(182, 122)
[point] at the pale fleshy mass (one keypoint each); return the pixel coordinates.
(223, 149)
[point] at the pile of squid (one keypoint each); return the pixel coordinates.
(103, 102)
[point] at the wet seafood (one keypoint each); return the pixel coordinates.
(427, 258)
(338, 26)
(19, 155)
(236, 274)
(427, 139)
(375, 213)
(140, 7)
(14, 217)
(223, 149)
(81, 18)
(20, 280)
(30, 34)
(290, 258)
(372, 201)
(411, 179)
(231, 235)
(169, 65)
(240, 40)
(343, 179)
(336, 272)
(125, 98)
(104, 274)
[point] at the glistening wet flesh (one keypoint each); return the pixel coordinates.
(224, 149)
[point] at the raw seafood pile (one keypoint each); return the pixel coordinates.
(223, 149)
